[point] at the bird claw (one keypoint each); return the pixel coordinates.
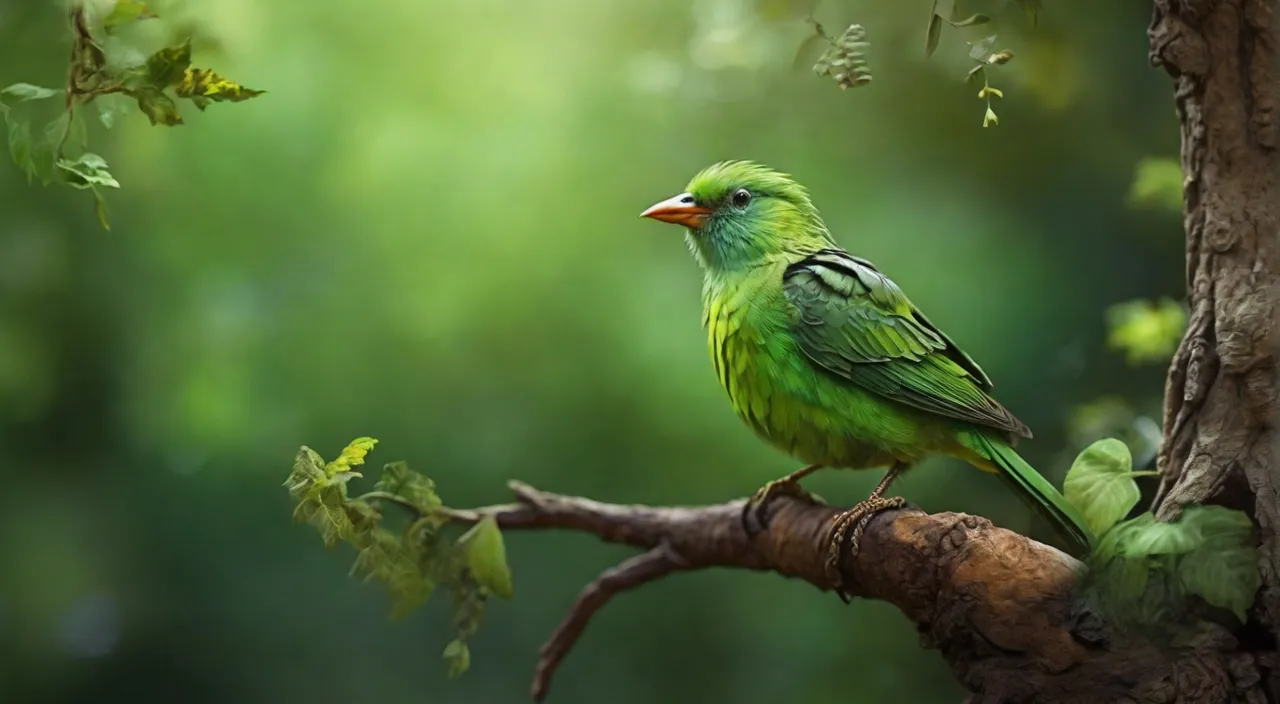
(755, 514)
(856, 518)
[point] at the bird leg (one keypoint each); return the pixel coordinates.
(755, 515)
(857, 518)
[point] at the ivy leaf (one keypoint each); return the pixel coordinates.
(1100, 484)
(487, 557)
(158, 107)
(167, 66)
(1224, 569)
(87, 171)
(202, 85)
(127, 11)
(23, 92)
(458, 657)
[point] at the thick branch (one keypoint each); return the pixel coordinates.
(1000, 607)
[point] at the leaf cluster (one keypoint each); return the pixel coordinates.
(1142, 570)
(102, 67)
(1146, 331)
(411, 562)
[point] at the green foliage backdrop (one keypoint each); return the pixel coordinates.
(426, 230)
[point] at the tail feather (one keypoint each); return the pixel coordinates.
(1038, 494)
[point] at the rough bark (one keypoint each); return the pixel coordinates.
(1221, 395)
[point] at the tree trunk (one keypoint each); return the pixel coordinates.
(1221, 394)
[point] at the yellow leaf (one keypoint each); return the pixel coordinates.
(166, 67)
(202, 85)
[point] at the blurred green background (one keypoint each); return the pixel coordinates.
(427, 232)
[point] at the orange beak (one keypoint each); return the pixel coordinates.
(680, 210)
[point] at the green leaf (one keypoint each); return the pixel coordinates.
(167, 66)
(981, 49)
(100, 209)
(1147, 536)
(1224, 570)
(415, 488)
(487, 557)
(990, 117)
(23, 92)
(157, 106)
(202, 85)
(458, 657)
(1100, 484)
(127, 11)
(934, 33)
(20, 146)
(87, 171)
(1146, 331)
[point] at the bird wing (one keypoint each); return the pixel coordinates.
(855, 323)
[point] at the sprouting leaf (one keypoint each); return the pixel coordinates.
(22, 92)
(988, 91)
(167, 66)
(487, 557)
(87, 171)
(417, 489)
(1224, 569)
(158, 106)
(351, 456)
(127, 11)
(1100, 484)
(202, 85)
(934, 33)
(971, 21)
(990, 117)
(458, 658)
(1146, 331)
(1157, 182)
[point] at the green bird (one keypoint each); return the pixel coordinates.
(826, 358)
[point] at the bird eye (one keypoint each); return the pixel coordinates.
(741, 198)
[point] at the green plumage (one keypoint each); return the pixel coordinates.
(826, 358)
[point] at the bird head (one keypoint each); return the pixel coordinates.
(739, 214)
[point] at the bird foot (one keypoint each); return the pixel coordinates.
(849, 526)
(755, 514)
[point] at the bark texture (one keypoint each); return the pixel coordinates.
(1221, 395)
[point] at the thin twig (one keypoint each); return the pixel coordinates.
(629, 574)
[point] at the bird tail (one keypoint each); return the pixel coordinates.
(1037, 493)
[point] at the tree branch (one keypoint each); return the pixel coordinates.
(1002, 608)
